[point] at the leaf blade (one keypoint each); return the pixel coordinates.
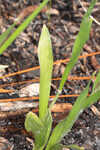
(39, 128)
(64, 126)
(22, 27)
(46, 66)
(5, 35)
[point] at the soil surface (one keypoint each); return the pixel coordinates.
(63, 25)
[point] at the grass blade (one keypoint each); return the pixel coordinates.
(6, 34)
(91, 99)
(81, 39)
(64, 126)
(22, 27)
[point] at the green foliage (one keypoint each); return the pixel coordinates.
(57, 147)
(5, 35)
(40, 128)
(82, 102)
(14, 35)
(64, 126)
(46, 65)
(81, 39)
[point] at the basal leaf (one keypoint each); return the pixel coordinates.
(64, 126)
(40, 129)
(33, 123)
(41, 140)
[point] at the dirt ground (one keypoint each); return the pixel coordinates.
(63, 25)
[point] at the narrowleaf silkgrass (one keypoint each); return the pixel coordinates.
(7, 37)
(41, 126)
(46, 66)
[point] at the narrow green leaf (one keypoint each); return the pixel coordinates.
(46, 65)
(22, 26)
(91, 99)
(6, 34)
(81, 39)
(64, 126)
